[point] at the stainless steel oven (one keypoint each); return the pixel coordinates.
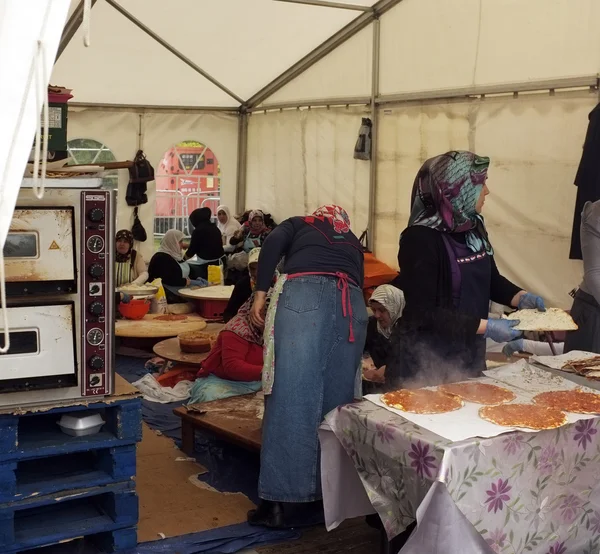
(59, 270)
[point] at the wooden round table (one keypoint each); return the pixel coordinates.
(169, 348)
(210, 301)
(149, 327)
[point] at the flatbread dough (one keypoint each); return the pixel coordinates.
(529, 416)
(574, 401)
(170, 317)
(480, 393)
(553, 319)
(422, 401)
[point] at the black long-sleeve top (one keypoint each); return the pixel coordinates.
(376, 345)
(241, 292)
(307, 250)
(164, 267)
(206, 242)
(433, 341)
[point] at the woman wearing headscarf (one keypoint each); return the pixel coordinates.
(253, 233)
(449, 275)
(206, 242)
(169, 266)
(387, 303)
(314, 337)
(238, 352)
(130, 267)
(243, 287)
(227, 225)
(586, 306)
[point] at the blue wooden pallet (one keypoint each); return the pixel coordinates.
(22, 479)
(58, 517)
(100, 543)
(37, 435)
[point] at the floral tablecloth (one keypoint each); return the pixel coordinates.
(523, 492)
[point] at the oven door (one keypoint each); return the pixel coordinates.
(42, 352)
(39, 254)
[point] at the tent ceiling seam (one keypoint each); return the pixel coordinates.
(71, 27)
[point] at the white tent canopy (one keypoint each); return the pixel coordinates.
(277, 90)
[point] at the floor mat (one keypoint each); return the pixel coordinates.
(171, 501)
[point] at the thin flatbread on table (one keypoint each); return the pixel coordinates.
(529, 416)
(480, 393)
(422, 401)
(574, 401)
(171, 317)
(583, 367)
(553, 319)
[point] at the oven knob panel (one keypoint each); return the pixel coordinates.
(97, 292)
(96, 215)
(96, 270)
(96, 308)
(96, 362)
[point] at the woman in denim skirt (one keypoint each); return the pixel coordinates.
(315, 331)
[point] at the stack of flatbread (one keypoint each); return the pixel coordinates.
(553, 319)
(589, 367)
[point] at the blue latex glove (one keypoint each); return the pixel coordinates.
(531, 301)
(513, 347)
(501, 330)
(125, 298)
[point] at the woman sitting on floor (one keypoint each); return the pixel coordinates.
(206, 242)
(243, 288)
(387, 303)
(130, 267)
(238, 353)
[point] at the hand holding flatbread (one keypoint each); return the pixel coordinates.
(553, 319)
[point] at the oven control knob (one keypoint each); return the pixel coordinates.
(96, 362)
(96, 270)
(96, 308)
(96, 215)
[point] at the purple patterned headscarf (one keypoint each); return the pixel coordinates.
(445, 193)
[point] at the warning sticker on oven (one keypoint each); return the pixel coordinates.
(54, 246)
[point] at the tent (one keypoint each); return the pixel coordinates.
(277, 89)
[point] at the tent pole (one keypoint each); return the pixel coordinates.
(326, 4)
(71, 28)
(242, 165)
(374, 134)
(356, 25)
(173, 50)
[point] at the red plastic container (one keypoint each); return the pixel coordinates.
(211, 309)
(136, 309)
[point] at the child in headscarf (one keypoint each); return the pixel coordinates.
(130, 267)
(387, 303)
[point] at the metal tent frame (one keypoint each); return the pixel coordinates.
(370, 15)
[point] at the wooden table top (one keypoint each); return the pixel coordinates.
(148, 327)
(169, 348)
(237, 419)
(216, 292)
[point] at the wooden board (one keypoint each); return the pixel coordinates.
(217, 292)
(237, 420)
(169, 348)
(149, 328)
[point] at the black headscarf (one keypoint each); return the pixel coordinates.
(126, 235)
(199, 216)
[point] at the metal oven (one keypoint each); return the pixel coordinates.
(59, 269)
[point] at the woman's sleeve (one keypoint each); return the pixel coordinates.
(167, 269)
(239, 235)
(275, 246)
(241, 292)
(502, 291)
(233, 357)
(590, 248)
(419, 260)
(193, 248)
(140, 270)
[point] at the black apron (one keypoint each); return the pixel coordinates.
(471, 283)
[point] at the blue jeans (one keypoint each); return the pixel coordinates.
(315, 370)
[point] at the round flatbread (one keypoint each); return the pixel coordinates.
(574, 401)
(529, 416)
(422, 401)
(480, 393)
(170, 317)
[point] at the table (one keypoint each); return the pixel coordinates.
(237, 420)
(210, 301)
(169, 348)
(147, 327)
(521, 492)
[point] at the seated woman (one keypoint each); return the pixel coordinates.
(243, 288)
(130, 267)
(238, 353)
(251, 235)
(206, 243)
(387, 303)
(227, 225)
(168, 265)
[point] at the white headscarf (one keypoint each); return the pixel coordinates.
(170, 244)
(230, 226)
(392, 299)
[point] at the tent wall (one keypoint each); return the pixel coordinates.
(123, 131)
(299, 160)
